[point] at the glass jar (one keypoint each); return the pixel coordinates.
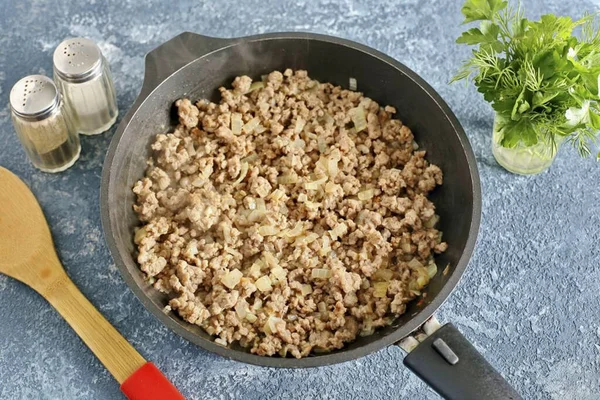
(522, 159)
(83, 76)
(44, 124)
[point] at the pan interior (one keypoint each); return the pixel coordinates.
(387, 82)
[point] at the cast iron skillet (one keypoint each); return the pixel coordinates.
(195, 66)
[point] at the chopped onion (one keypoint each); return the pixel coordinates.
(302, 197)
(270, 259)
(366, 194)
(339, 231)
(380, 289)
(321, 144)
(330, 187)
(241, 308)
(299, 125)
(271, 325)
(362, 148)
(314, 185)
(243, 172)
(296, 231)
(256, 215)
(415, 145)
(310, 135)
(358, 118)
(277, 194)
(288, 179)
(311, 237)
(306, 239)
(236, 123)
(430, 223)
(320, 273)
(335, 154)
(250, 125)
(258, 303)
(198, 182)
(250, 158)
(423, 280)
(260, 128)
(254, 86)
(263, 284)
(260, 204)
(383, 274)
(251, 317)
(139, 235)
(415, 264)
(432, 270)
(405, 246)
(267, 230)
(325, 246)
(299, 144)
(233, 252)
(232, 278)
(366, 330)
(312, 205)
(306, 289)
(332, 168)
(279, 274)
(446, 269)
(322, 306)
(255, 269)
(329, 119)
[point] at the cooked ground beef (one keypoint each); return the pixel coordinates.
(290, 217)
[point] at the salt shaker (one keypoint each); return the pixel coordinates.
(44, 124)
(83, 76)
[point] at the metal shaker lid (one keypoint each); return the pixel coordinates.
(34, 97)
(77, 60)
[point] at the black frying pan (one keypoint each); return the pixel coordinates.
(195, 66)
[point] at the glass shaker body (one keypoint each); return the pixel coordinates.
(83, 76)
(44, 124)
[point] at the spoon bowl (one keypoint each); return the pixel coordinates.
(26, 249)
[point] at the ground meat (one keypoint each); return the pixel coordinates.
(270, 221)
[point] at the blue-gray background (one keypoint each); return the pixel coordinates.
(529, 301)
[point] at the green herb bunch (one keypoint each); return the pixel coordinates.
(541, 79)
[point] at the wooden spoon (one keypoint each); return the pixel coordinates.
(27, 254)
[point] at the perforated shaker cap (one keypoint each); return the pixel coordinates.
(34, 97)
(77, 60)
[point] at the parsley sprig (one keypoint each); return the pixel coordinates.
(541, 79)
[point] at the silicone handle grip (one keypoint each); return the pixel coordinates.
(448, 363)
(148, 383)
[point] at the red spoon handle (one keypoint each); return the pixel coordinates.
(148, 383)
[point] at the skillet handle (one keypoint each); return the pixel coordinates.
(174, 54)
(461, 374)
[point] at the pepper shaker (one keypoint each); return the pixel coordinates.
(44, 124)
(83, 76)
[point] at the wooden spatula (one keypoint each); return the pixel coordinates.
(27, 254)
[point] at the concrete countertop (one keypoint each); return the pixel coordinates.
(529, 301)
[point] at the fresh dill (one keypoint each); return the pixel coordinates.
(540, 78)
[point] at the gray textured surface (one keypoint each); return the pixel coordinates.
(529, 301)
